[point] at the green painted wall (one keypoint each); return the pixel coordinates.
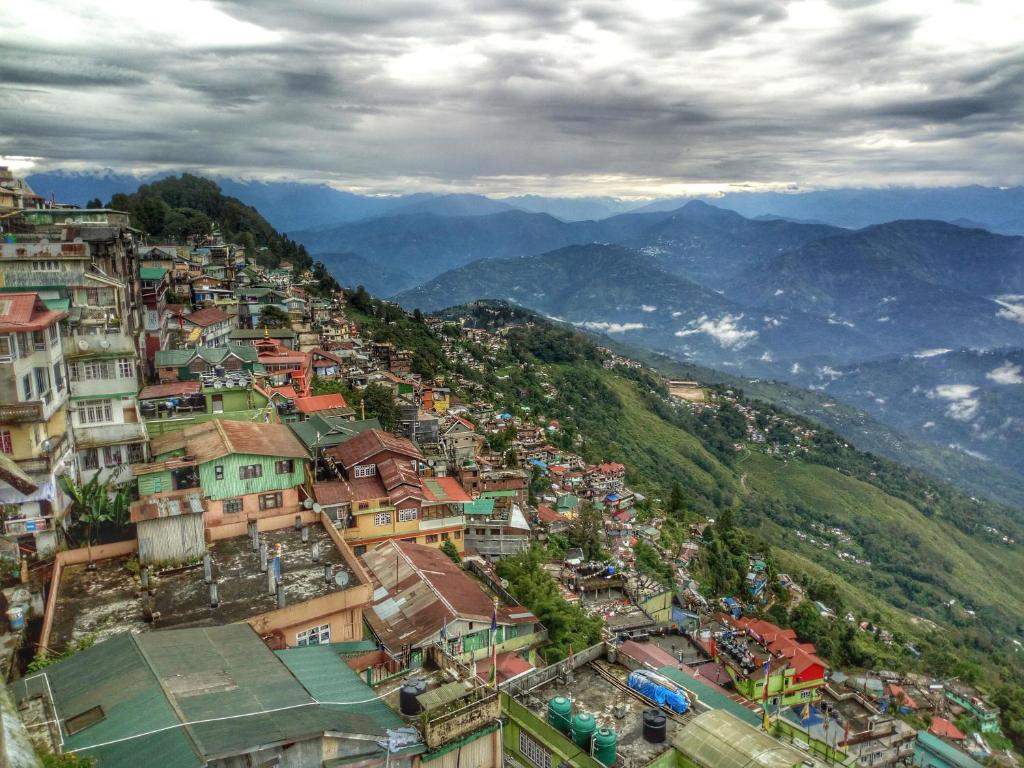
(232, 485)
(659, 607)
(522, 719)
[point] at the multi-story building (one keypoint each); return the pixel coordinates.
(33, 416)
(382, 496)
(154, 287)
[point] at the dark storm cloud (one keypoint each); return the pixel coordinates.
(528, 95)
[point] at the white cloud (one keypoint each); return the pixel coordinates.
(1012, 307)
(828, 372)
(778, 292)
(833, 320)
(677, 314)
(726, 331)
(773, 322)
(767, 357)
(597, 325)
(648, 308)
(928, 425)
(925, 353)
(1008, 373)
(795, 369)
(962, 405)
(882, 319)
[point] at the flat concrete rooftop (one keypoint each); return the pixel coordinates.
(590, 692)
(107, 600)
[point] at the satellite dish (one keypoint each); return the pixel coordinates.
(307, 504)
(317, 508)
(83, 344)
(341, 578)
(105, 344)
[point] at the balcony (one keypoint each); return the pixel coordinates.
(99, 435)
(21, 413)
(25, 525)
(432, 524)
(49, 456)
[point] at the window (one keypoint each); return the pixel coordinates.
(136, 453)
(218, 472)
(54, 334)
(48, 265)
(250, 471)
(481, 531)
(83, 720)
(382, 518)
(38, 341)
(366, 470)
(407, 515)
(92, 296)
(126, 368)
(363, 506)
(458, 534)
(432, 538)
(232, 506)
(6, 445)
(533, 751)
(284, 467)
(444, 537)
(58, 377)
(42, 376)
(95, 412)
(90, 459)
(6, 348)
(270, 500)
(218, 403)
(26, 386)
(314, 636)
(94, 369)
(112, 456)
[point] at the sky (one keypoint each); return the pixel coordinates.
(574, 97)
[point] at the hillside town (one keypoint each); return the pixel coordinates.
(242, 527)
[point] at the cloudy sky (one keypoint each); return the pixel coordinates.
(507, 96)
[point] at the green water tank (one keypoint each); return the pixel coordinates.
(605, 743)
(583, 727)
(560, 713)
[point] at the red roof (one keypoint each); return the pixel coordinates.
(208, 316)
(944, 729)
(341, 491)
(316, 403)
(287, 391)
(650, 654)
(23, 312)
(903, 698)
(368, 444)
(453, 492)
(547, 514)
(509, 665)
(171, 389)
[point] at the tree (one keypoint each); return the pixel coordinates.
(274, 317)
(94, 203)
(95, 504)
(511, 461)
(587, 531)
(676, 501)
(68, 760)
(379, 403)
(449, 549)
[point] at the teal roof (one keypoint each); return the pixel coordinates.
(950, 754)
(152, 273)
(60, 305)
(710, 696)
(479, 507)
(569, 501)
(164, 696)
(497, 494)
(259, 333)
(327, 431)
(179, 358)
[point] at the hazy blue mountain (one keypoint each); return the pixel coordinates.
(574, 208)
(452, 205)
(615, 290)
(351, 270)
(79, 188)
(970, 400)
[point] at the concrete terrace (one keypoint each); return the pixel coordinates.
(107, 598)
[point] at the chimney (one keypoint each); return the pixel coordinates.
(280, 595)
(207, 568)
(298, 522)
(305, 534)
(328, 574)
(263, 557)
(214, 597)
(316, 551)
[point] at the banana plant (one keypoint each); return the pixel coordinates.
(95, 503)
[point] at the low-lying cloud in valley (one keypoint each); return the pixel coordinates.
(726, 331)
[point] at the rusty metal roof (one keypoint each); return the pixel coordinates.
(217, 438)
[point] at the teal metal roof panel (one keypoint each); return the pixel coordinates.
(710, 696)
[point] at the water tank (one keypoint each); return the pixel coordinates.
(560, 713)
(655, 726)
(408, 704)
(605, 742)
(583, 727)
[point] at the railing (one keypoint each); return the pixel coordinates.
(21, 413)
(44, 463)
(450, 725)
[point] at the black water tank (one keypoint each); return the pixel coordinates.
(655, 726)
(408, 704)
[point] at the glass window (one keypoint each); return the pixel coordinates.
(432, 538)
(112, 456)
(136, 453)
(58, 377)
(250, 471)
(366, 470)
(270, 501)
(38, 341)
(90, 458)
(95, 412)
(218, 472)
(407, 515)
(54, 334)
(42, 376)
(533, 751)
(26, 386)
(127, 369)
(6, 445)
(320, 635)
(232, 506)
(6, 348)
(382, 518)
(284, 467)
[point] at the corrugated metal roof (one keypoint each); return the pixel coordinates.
(710, 696)
(716, 739)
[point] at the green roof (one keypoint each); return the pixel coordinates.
(479, 507)
(497, 494)
(716, 738)
(259, 333)
(569, 501)
(179, 358)
(711, 696)
(152, 273)
(327, 431)
(165, 696)
(59, 305)
(948, 753)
